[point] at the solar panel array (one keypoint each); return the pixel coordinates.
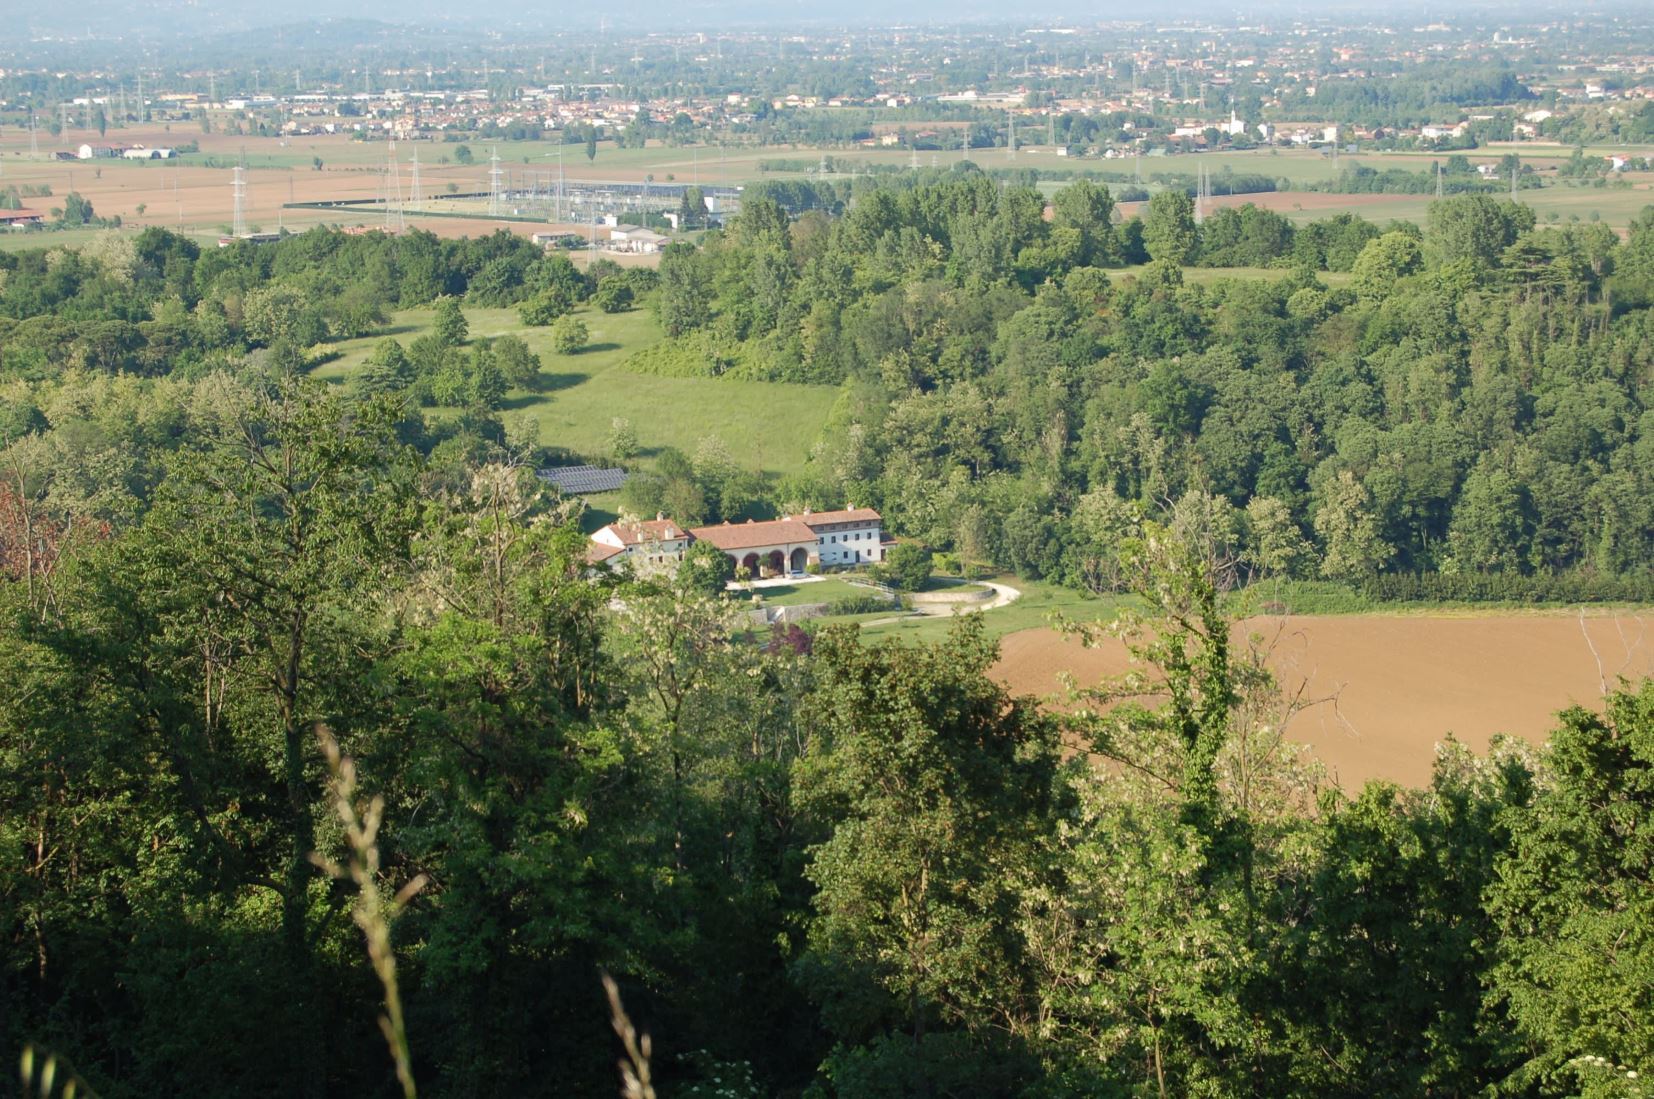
(578, 480)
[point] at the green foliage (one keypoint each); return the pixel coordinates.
(614, 295)
(569, 335)
(450, 327)
(543, 308)
(861, 870)
(683, 303)
(518, 366)
(1571, 902)
(906, 566)
(935, 785)
(77, 210)
(1169, 228)
(705, 568)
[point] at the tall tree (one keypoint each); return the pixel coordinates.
(1169, 228)
(937, 787)
(266, 547)
(1574, 908)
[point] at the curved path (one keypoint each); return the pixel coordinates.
(1004, 595)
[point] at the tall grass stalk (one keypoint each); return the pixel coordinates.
(634, 1067)
(373, 913)
(38, 1070)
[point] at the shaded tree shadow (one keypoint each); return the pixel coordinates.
(550, 383)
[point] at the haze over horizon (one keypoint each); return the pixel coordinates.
(169, 19)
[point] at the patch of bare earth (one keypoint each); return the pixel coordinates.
(1402, 682)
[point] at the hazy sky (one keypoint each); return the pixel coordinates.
(199, 20)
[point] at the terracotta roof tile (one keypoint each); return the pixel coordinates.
(848, 515)
(771, 532)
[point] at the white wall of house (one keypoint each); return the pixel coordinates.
(854, 546)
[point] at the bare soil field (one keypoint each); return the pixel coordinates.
(1403, 682)
(190, 196)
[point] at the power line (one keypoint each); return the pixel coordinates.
(238, 224)
(494, 173)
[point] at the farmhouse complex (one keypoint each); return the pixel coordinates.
(774, 547)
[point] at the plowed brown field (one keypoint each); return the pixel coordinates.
(1402, 682)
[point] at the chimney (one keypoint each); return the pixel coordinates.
(659, 515)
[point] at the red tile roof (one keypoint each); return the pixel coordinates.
(750, 535)
(848, 515)
(599, 552)
(21, 215)
(647, 530)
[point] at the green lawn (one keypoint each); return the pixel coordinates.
(1040, 604)
(822, 591)
(768, 426)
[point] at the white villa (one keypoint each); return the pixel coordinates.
(773, 547)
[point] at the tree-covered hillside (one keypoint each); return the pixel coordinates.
(814, 866)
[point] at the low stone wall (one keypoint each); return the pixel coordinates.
(795, 612)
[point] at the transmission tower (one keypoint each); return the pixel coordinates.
(494, 174)
(1011, 143)
(394, 221)
(1200, 196)
(414, 197)
(34, 138)
(238, 224)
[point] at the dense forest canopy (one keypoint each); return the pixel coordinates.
(815, 866)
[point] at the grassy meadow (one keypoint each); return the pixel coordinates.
(767, 426)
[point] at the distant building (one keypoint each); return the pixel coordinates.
(631, 238)
(21, 219)
(647, 545)
(772, 547)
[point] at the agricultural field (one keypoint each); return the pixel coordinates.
(193, 195)
(1401, 682)
(768, 426)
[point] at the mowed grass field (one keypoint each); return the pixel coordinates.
(768, 427)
